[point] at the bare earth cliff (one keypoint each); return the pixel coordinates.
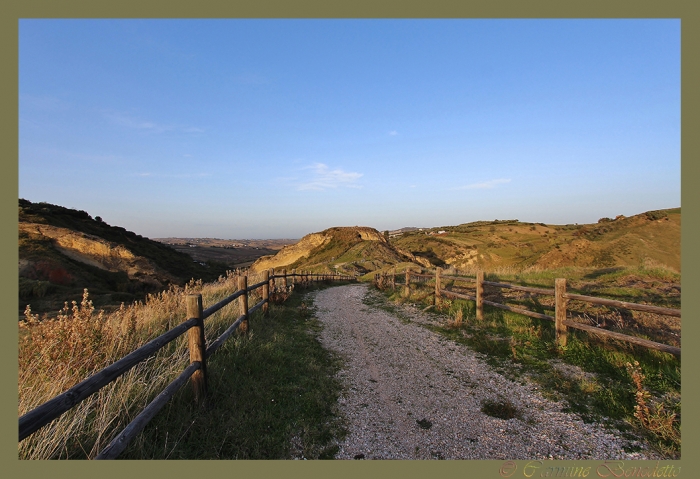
(346, 249)
(95, 251)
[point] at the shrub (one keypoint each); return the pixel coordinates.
(656, 215)
(652, 417)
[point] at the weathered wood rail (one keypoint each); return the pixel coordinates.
(561, 298)
(196, 371)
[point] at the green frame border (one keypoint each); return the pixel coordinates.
(13, 10)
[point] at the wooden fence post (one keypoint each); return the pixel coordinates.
(266, 291)
(294, 277)
(407, 288)
(560, 311)
(197, 346)
(243, 303)
(286, 282)
(437, 284)
(479, 295)
(393, 279)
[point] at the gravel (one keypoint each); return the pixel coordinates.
(410, 393)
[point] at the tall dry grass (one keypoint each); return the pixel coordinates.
(55, 354)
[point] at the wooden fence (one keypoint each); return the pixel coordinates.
(561, 298)
(196, 371)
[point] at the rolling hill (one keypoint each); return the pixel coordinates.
(63, 250)
(653, 237)
(348, 250)
(624, 241)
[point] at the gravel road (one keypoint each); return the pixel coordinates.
(412, 394)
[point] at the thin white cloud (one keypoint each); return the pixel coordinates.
(42, 102)
(103, 159)
(161, 175)
(128, 121)
(484, 185)
(285, 179)
(136, 123)
(323, 178)
(393, 133)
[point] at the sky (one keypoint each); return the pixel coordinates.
(276, 128)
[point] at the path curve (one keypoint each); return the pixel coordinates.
(412, 394)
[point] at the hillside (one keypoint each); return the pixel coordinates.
(625, 241)
(62, 251)
(350, 250)
(648, 238)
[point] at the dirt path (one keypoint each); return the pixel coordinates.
(412, 394)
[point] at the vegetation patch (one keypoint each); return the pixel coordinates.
(272, 396)
(501, 409)
(424, 424)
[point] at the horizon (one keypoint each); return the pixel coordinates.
(156, 238)
(274, 129)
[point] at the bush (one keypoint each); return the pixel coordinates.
(656, 215)
(31, 288)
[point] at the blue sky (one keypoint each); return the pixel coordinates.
(279, 128)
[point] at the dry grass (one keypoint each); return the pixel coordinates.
(55, 354)
(653, 415)
(456, 320)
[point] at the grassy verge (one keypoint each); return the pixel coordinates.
(272, 393)
(634, 390)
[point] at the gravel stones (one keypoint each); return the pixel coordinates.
(412, 394)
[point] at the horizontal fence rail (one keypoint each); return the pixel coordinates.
(195, 371)
(50, 410)
(560, 305)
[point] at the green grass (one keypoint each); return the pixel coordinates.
(272, 395)
(596, 384)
